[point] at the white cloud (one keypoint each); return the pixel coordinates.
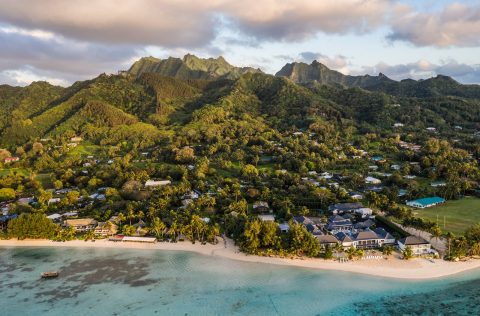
(456, 25)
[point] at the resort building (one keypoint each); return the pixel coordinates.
(366, 240)
(418, 245)
(338, 223)
(81, 224)
(426, 202)
(106, 229)
(327, 240)
(387, 238)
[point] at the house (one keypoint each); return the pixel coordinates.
(140, 228)
(106, 229)
(261, 207)
(98, 196)
(54, 217)
(81, 224)
(418, 245)
(355, 195)
(398, 125)
(387, 238)
(364, 211)
(436, 184)
(155, 184)
(345, 240)
(372, 180)
(11, 159)
(266, 218)
(364, 225)
(395, 167)
(284, 227)
(327, 240)
(426, 202)
(326, 175)
(53, 200)
(76, 139)
(378, 159)
(26, 200)
(345, 207)
(431, 129)
(366, 240)
(338, 223)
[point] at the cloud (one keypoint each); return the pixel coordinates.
(45, 52)
(168, 23)
(192, 24)
(423, 69)
(278, 20)
(456, 25)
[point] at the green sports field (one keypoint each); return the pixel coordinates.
(457, 215)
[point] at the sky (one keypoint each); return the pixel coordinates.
(65, 41)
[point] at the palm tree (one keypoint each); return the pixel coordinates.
(173, 230)
(387, 250)
(436, 232)
(157, 227)
(450, 236)
(130, 215)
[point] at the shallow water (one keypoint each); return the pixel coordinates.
(152, 282)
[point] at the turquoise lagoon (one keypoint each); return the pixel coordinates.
(151, 282)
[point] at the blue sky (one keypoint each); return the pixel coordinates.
(63, 41)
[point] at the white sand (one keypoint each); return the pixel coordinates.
(391, 268)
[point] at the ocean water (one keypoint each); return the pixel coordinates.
(149, 282)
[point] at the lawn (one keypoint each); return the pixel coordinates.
(459, 215)
(84, 150)
(45, 180)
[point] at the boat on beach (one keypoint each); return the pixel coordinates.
(49, 274)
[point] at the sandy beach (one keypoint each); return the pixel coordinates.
(392, 268)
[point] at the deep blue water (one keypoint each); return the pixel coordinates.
(149, 282)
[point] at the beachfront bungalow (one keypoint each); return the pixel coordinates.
(366, 240)
(327, 240)
(387, 238)
(345, 240)
(426, 202)
(418, 245)
(106, 229)
(81, 224)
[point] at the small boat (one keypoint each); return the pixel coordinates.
(50, 274)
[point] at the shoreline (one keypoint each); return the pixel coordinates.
(415, 269)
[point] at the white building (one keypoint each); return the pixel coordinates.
(154, 183)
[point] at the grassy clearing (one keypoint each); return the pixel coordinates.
(45, 180)
(6, 171)
(459, 214)
(84, 150)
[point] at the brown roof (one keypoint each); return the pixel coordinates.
(366, 235)
(327, 239)
(80, 222)
(413, 240)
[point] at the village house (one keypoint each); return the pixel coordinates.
(266, 218)
(418, 245)
(355, 195)
(11, 159)
(81, 224)
(76, 139)
(372, 180)
(261, 207)
(156, 184)
(344, 207)
(426, 202)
